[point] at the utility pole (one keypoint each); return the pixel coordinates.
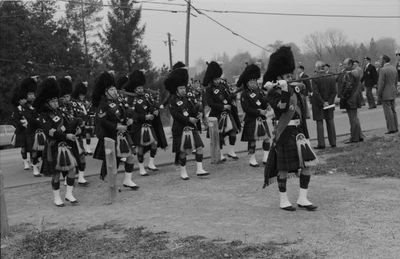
(170, 43)
(84, 35)
(187, 33)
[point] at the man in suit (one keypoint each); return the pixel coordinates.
(324, 93)
(350, 98)
(398, 65)
(370, 78)
(305, 92)
(387, 84)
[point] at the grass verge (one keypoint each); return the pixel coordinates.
(113, 241)
(377, 157)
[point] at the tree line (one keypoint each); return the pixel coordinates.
(35, 39)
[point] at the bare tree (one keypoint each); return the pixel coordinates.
(315, 44)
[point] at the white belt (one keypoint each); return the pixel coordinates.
(292, 122)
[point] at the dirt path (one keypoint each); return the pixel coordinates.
(357, 218)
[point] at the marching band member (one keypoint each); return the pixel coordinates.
(254, 104)
(58, 156)
(144, 134)
(290, 151)
(79, 96)
(18, 120)
(112, 122)
(29, 137)
(186, 125)
(223, 106)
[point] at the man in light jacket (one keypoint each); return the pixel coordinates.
(387, 82)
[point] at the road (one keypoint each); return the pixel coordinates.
(14, 175)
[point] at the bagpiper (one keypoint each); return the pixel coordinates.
(187, 122)
(112, 121)
(223, 106)
(254, 103)
(146, 131)
(74, 117)
(290, 152)
(21, 137)
(79, 96)
(58, 158)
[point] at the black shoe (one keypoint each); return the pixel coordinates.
(185, 178)
(391, 132)
(134, 188)
(60, 205)
(223, 160)
(307, 207)
(289, 208)
(351, 142)
(333, 146)
(37, 175)
(73, 202)
(373, 107)
(203, 174)
(254, 165)
(233, 157)
(85, 184)
(319, 147)
(155, 169)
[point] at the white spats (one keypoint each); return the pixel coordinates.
(183, 172)
(142, 170)
(36, 171)
(284, 200)
(302, 200)
(223, 158)
(27, 166)
(231, 151)
(57, 198)
(81, 177)
(151, 164)
(253, 160)
(69, 196)
(200, 171)
(265, 156)
(128, 181)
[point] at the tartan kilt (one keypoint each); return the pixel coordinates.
(177, 140)
(137, 136)
(287, 156)
(249, 129)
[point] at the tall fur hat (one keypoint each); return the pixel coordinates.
(104, 80)
(65, 85)
(213, 71)
(280, 62)
(28, 85)
(121, 81)
(49, 89)
(178, 64)
(135, 79)
(176, 77)
(252, 71)
(80, 88)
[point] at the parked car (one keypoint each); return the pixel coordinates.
(6, 134)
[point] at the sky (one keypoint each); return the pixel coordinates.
(207, 39)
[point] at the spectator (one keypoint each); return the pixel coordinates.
(387, 89)
(370, 78)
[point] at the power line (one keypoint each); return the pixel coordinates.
(225, 27)
(303, 14)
